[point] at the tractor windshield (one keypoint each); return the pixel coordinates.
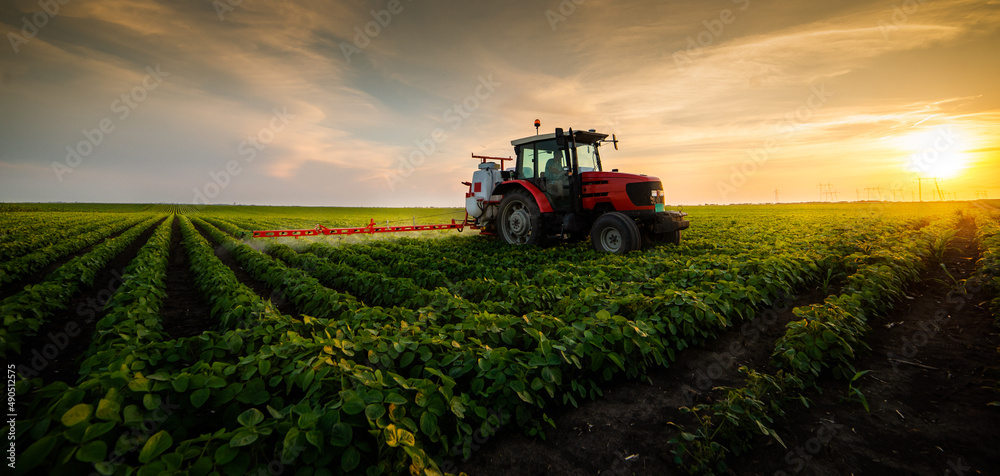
(586, 155)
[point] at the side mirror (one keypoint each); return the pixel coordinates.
(560, 138)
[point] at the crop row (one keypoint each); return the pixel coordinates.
(133, 310)
(988, 267)
(28, 232)
(68, 243)
(569, 335)
(386, 368)
(826, 337)
(26, 311)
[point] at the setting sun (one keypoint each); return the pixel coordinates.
(936, 152)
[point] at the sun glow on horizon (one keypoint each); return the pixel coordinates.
(936, 152)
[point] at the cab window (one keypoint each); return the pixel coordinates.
(527, 163)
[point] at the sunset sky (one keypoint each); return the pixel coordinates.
(376, 103)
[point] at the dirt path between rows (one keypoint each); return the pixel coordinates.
(185, 312)
(930, 360)
(262, 289)
(63, 338)
(928, 407)
(626, 431)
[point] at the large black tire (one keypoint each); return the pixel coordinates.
(615, 233)
(520, 222)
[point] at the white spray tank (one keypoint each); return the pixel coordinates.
(484, 181)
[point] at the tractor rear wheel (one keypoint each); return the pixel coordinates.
(520, 221)
(616, 233)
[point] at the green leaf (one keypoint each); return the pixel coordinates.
(92, 452)
(428, 424)
(395, 398)
(315, 437)
(225, 454)
(374, 411)
(98, 429)
(105, 468)
(354, 405)
(37, 453)
(108, 410)
(350, 459)
(180, 383)
(133, 415)
(199, 397)
(250, 417)
(391, 437)
(243, 437)
(139, 384)
(406, 438)
(341, 434)
(156, 445)
(79, 413)
(151, 401)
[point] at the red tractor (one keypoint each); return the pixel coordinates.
(557, 188)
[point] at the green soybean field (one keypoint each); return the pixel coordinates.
(158, 339)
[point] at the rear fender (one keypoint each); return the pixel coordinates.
(544, 206)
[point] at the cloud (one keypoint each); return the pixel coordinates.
(623, 68)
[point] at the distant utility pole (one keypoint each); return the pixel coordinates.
(920, 187)
(775, 195)
(940, 195)
(858, 191)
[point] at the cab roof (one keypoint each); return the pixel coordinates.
(585, 137)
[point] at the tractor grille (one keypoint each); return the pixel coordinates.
(640, 193)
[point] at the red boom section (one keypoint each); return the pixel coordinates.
(370, 228)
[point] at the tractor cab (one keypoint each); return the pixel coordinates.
(554, 162)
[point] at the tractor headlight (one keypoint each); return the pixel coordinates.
(657, 196)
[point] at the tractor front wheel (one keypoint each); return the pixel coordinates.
(615, 233)
(520, 221)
